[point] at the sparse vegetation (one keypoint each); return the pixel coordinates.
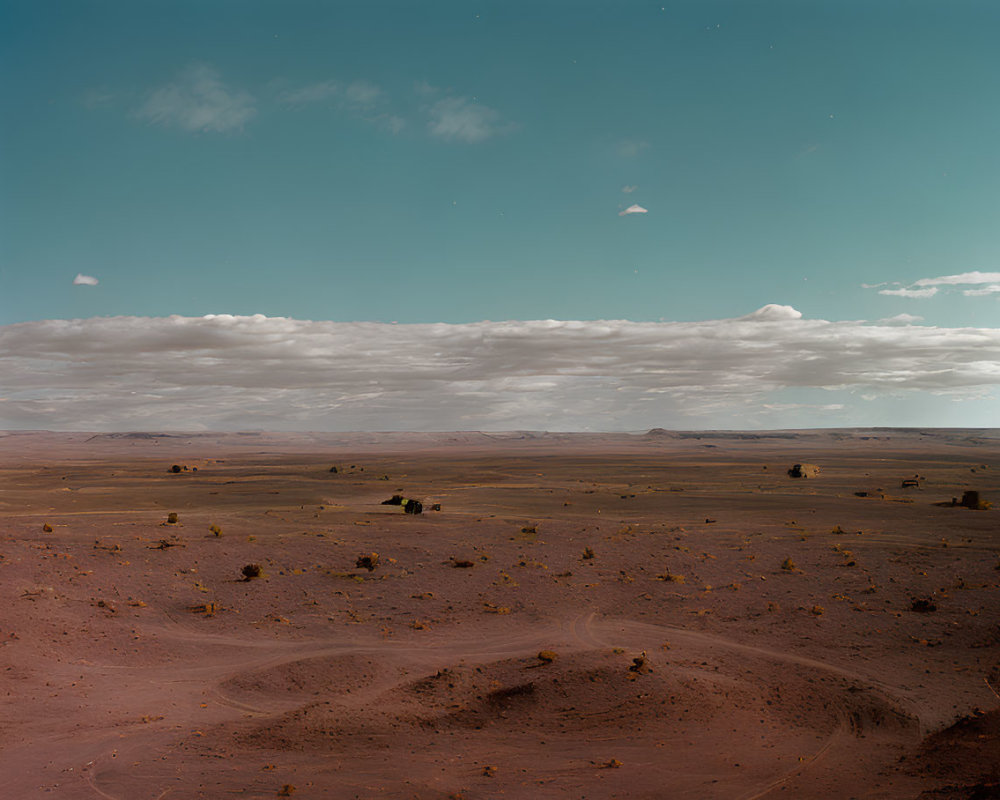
(251, 571)
(47, 528)
(588, 554)
(547, 656)
(172, 518)
(215, 529)
(788, 565)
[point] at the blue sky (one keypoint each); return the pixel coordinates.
(454, 162)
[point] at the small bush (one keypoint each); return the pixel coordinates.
(368, 562)
(547, 656)
(251, 571)
(788, 565)
(172, 518)
(588, 554)
(215, 529)
(47, 528)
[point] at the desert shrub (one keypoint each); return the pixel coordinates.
(413, 507)
(47, 528)
(172, 518)
(788, 565)
(251, 571)
(639, 663)
(547, 656)
(922, 606)
(215, 529)
(395, 500)
(588, 554)
(368, 561)
(176, 468)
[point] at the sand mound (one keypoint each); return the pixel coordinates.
(965, 758)
(323, 675)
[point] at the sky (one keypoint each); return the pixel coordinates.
(499, 215)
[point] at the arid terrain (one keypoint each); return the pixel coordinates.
(660, 615)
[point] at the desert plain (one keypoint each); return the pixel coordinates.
(658, 615)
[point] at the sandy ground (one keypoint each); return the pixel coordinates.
(714, 627)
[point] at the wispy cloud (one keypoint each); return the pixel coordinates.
(987, 282)
(355, 96)
(963, 278)
(993, 288)
(95, 98)
(309, 95)
(630, 148)
(633, 209)
(462, 119)
(199, 101)
(629, 189)
(85, 280)
(928, 292)
(229, 372)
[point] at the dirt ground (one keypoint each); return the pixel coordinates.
(667, 615)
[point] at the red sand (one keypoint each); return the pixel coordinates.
(421, 679)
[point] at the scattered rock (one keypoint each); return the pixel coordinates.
(922, 606)
(413, 507)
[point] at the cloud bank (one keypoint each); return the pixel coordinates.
(238, 372)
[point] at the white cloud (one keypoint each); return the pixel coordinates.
(633, 209)
(901, 319)
(773, 312)
(929, 292)
(228, 372)
(629, 189)
(928, 287)
(962, 278)
(84, 280)
(993, 288)
(464, 120)
(198, 101)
